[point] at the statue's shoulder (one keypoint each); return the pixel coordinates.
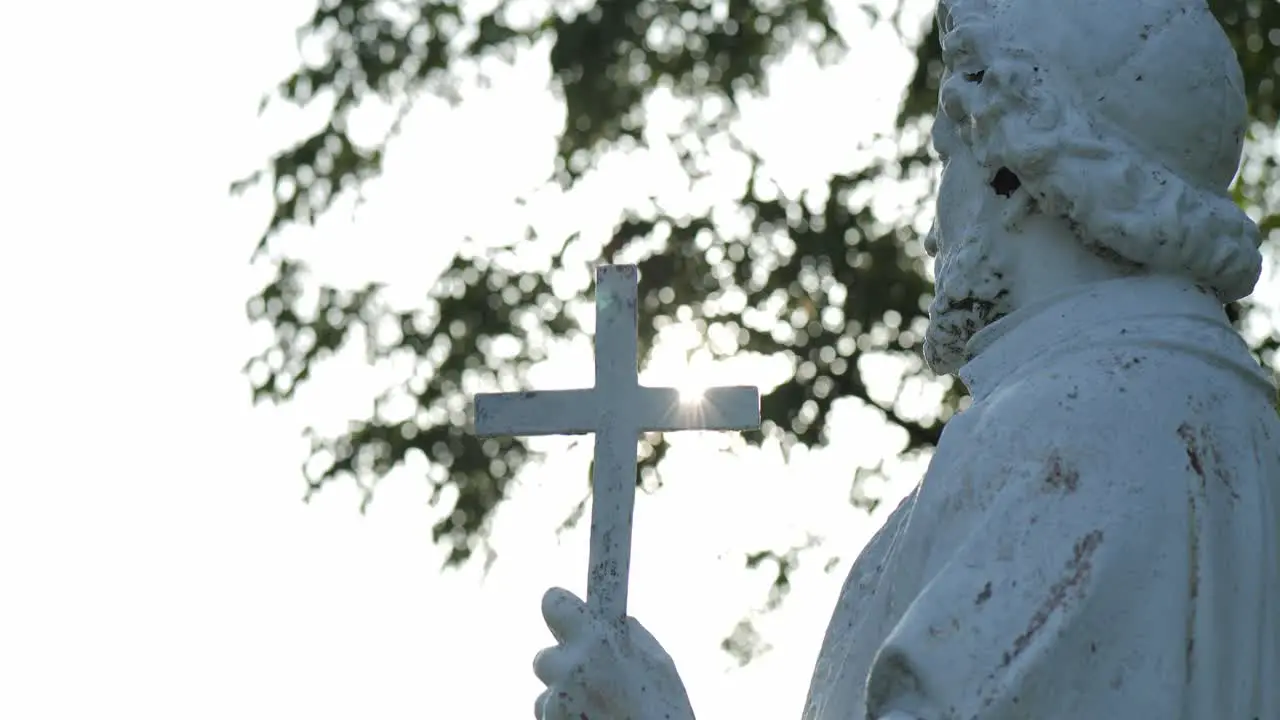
(1096, 403)
(1132, 384)
(870, 562)
(1128, 416)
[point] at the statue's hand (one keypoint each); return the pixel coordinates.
(604, 670)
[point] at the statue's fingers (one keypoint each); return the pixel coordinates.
(641, 636)
(552, 665)
(540, 705)
(554, 705)
(565, 614)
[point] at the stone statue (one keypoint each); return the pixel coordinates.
(1098, 535)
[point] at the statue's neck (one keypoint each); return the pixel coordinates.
(1050, 261)
(1156, 310)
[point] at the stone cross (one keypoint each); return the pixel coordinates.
(617, 410)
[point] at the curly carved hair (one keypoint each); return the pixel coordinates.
(1010, 113)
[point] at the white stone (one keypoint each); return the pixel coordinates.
(1125, 119)
(1098, 534)
(617, 409)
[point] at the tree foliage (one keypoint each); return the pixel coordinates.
(834, 281)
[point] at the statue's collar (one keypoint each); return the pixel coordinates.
(1185, 315)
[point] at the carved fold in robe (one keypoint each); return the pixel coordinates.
(1095, 538)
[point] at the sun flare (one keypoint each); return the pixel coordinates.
(691, 392)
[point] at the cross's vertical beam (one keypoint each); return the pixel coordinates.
(613, 475)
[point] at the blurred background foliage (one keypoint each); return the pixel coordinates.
(819, 280)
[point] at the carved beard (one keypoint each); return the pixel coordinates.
(970, 293)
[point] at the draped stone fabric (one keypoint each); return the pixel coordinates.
(1096, 536)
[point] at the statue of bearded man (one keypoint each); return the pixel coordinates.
(1096, 535)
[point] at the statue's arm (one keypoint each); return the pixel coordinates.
(1050, 595)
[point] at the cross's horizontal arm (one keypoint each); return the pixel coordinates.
(551, 412)
(721, 408)
(576, 412)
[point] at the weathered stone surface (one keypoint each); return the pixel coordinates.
(1096, 536)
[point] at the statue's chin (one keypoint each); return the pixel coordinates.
(945, 340)
(952, 322)
(970, 294)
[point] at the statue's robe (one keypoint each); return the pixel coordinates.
(1095, 538)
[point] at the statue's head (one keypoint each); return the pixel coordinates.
(1121, 121)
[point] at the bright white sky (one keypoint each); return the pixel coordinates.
(156, 560)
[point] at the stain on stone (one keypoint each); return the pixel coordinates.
(1130, 362)
(1193, 575)
(1189, 440)
(1062, 475)
(983, 596)
(1201, 447)
(1221, 470)
(1077, 573)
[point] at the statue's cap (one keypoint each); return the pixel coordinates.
(1162, 73)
